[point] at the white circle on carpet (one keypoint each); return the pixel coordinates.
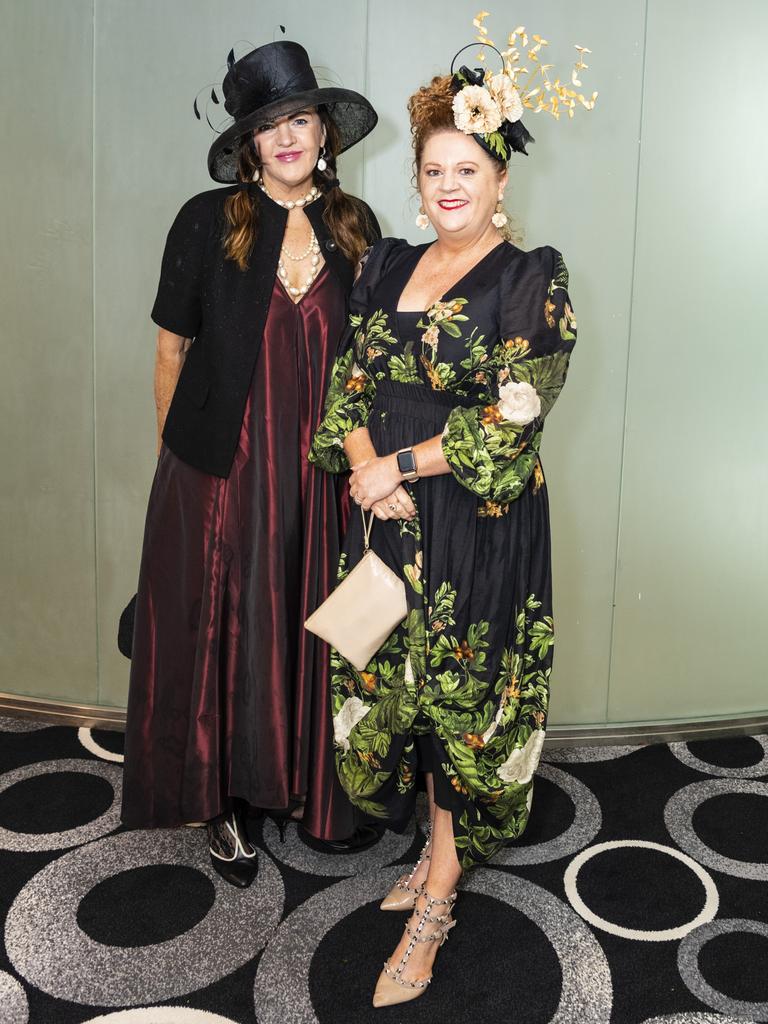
(13, 1000)
(586, 991)
(678, 817)
(34, 842)
(85, 736)
(48, 948)
(753, 771)
(708, 911)
(160, 1015)
(688, 965)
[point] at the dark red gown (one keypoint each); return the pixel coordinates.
(229, 693)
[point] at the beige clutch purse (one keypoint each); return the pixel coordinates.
(364, 609)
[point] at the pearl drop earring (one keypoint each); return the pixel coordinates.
(322, 163)
(422, 220)
(499, 219)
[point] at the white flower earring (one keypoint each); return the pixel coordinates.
(257, 174)
(499, 219)
(422, 220)
(322, 163)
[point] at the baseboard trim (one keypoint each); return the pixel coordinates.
(59, 712)
(97, 716)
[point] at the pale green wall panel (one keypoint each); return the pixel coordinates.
(150, 157)
(692, 602)
(47, 601)
(576, 191)
(685, 509)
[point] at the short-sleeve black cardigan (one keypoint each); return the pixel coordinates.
(206, 297)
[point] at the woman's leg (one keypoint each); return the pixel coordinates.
(442, 877)
(420, 874)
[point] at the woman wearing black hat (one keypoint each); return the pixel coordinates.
(228, 699)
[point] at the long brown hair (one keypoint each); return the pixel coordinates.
(346, 217)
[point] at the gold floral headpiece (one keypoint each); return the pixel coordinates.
(490, 106)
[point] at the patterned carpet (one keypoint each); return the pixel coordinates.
(639, 893)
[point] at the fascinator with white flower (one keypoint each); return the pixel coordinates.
(490, 106)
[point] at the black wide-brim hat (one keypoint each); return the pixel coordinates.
(273, 81)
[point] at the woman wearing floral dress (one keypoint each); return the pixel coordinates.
(456, 353)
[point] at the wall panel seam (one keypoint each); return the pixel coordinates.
(366, 83)
(97, 595)
(633, 273)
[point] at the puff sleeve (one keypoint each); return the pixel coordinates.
(351, 390)
(178, 306)
(492, 449)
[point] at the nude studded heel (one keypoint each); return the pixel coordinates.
(400, 896)
(392, 988)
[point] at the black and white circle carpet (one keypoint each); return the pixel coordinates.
(638, 895)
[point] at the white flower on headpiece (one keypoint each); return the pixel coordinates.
(519, 402)
(352, 711)
(521, 763)
(507, 97)
(475, 111)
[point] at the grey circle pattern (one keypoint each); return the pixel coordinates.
(585, 826)
(13, 1000)
(587, 754)
(28, 842)
(296, 854)
(678, 817)
(46, 946)
(694, 1017)
(586, 995)
(22, 724)
(753, 771)
(688, 965)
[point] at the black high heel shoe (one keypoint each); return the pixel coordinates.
(232, 855)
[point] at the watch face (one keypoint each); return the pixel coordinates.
(406, 463)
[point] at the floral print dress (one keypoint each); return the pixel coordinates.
(468, 670)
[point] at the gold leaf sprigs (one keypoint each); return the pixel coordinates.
(539, 90)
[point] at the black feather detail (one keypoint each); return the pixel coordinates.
(197, 112)
(214, 97)
(282, 29)
(231, 58)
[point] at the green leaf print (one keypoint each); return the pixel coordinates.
(403, 369)
(451, 328)
(441, 612)
(542, 636)
(546, 375)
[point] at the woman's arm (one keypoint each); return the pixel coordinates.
(375, 478)
(169, 358)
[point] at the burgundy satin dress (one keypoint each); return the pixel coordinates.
(229, 693)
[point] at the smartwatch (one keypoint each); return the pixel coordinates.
(406, 463)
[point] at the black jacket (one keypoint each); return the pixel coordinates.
(206, 297)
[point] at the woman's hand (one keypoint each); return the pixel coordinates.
(397, 505)
(373, 480)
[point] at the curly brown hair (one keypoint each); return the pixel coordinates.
(431, 110)
(347, 218)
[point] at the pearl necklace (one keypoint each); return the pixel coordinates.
(289, 204)
(298, 290)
